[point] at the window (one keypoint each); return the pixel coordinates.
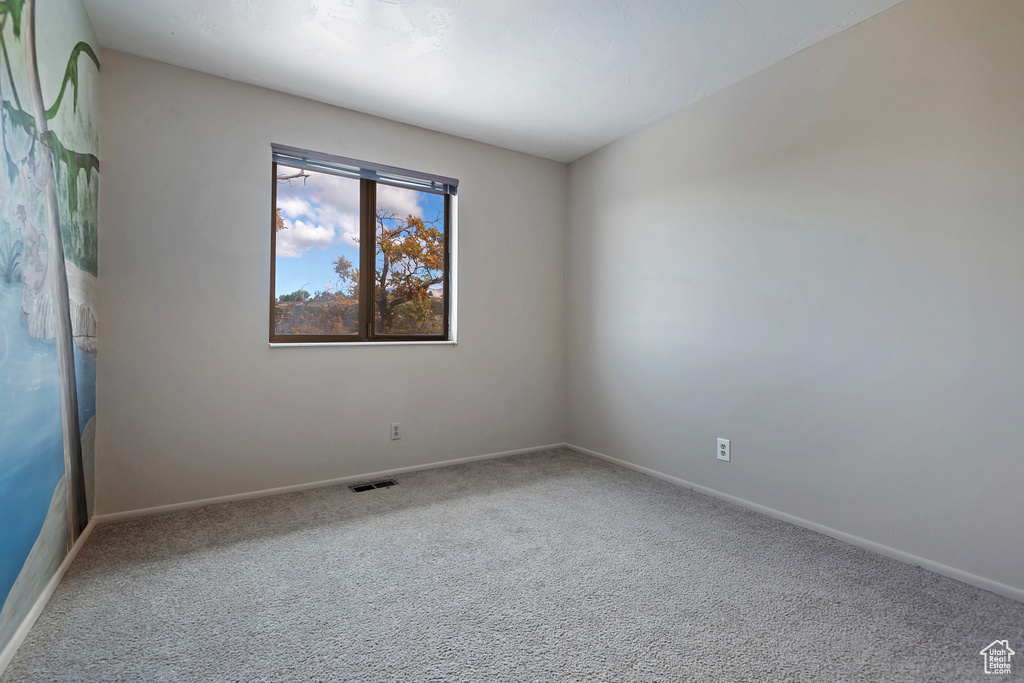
(359, 252)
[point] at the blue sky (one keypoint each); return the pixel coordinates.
(322, 215)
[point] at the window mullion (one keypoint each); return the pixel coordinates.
(445, 291)
(273, 248)
(367, 248)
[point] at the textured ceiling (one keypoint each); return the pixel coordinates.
(554, 78)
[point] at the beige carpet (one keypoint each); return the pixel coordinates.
(544, 567)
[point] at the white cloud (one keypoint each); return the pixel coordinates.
(301, 236)
(336, 192)
(319, 211)
(350, 237)
(293, 207)
(399, 200)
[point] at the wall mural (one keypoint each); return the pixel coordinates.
(49, 191)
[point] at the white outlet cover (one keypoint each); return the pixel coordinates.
(396, 431)
(723, 449)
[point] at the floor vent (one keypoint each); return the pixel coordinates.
(383, 484)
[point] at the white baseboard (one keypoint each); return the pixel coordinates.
(383, 474)
(30, 619)
(937, 567)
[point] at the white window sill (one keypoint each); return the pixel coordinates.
(286, 345)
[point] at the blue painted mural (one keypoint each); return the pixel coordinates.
(49, 191)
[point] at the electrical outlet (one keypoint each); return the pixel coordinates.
(396, 431)
(723, 449)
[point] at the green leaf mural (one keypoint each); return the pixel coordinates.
(71, 76)
(74, 163)
(11, 249)
(13, 9)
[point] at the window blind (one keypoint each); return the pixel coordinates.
(354, 168)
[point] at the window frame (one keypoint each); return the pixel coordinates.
(367, 267)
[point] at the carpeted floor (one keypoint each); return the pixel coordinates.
(545, 567)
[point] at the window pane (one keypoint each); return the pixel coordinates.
(409, 262)
(316, 267)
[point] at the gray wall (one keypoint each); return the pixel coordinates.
(194, 404)
(825, 264)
